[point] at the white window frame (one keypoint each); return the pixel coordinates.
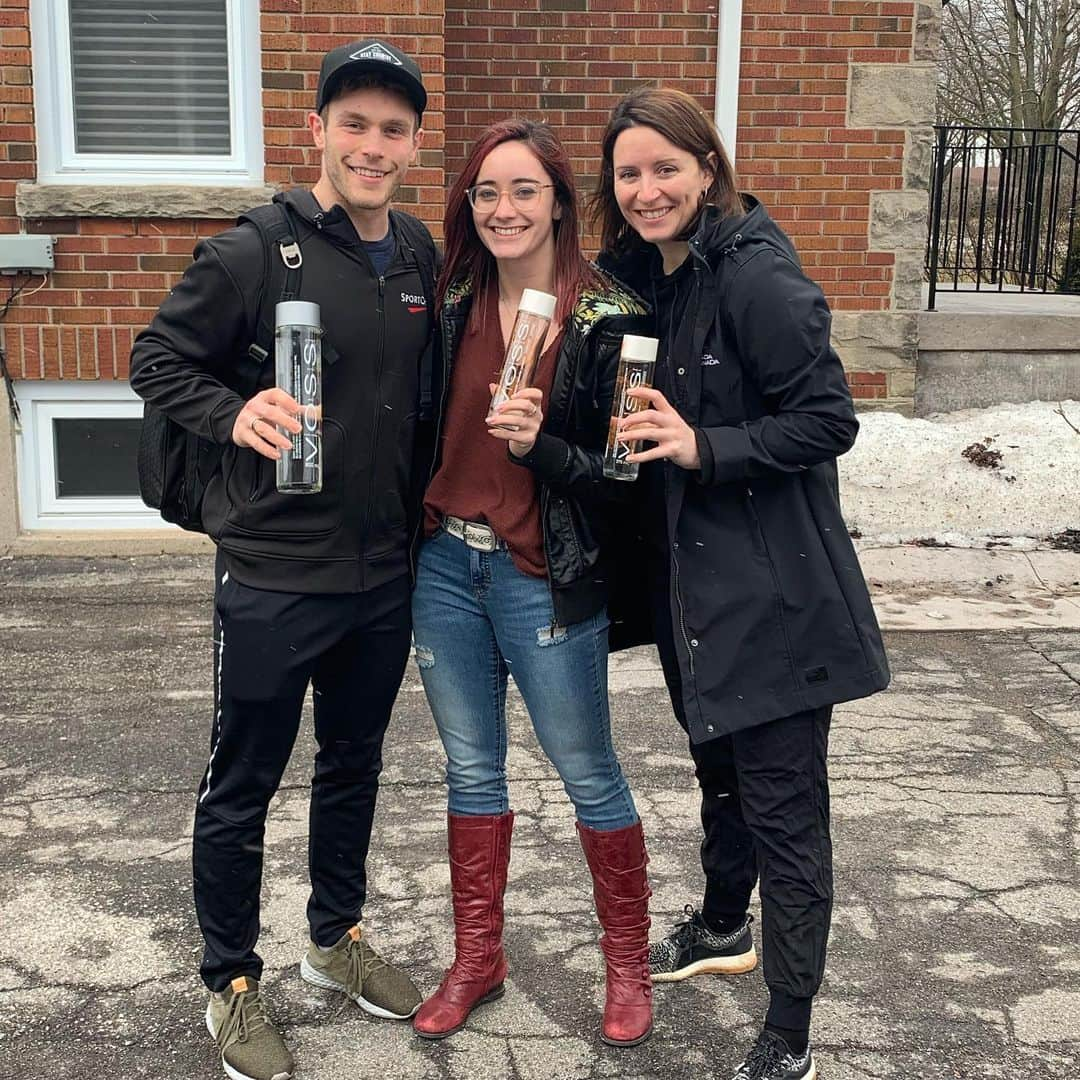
(39, 507)
(58, 161)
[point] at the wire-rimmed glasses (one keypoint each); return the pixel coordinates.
(522, 196)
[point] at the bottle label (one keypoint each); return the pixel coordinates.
(310, 395)
(635, 377)
(516, 356)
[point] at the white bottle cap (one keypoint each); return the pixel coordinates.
(538, 303)
(296, 313)
(642, 349)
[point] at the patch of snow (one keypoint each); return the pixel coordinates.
(906, 479)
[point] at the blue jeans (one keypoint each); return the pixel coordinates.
(476, 618)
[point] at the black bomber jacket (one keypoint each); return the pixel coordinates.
(355, 534)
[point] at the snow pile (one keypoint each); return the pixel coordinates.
(908, 479)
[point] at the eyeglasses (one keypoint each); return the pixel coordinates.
(521, 196)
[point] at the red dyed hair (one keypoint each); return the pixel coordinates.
(467, 257)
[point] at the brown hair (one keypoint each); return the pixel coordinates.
(679, 119)
(467, 257)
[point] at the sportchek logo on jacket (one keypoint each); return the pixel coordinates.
(414, 302)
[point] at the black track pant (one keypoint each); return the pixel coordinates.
(765, 814)
(268, 646)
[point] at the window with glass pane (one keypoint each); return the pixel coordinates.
(150, 77)
(96, 456)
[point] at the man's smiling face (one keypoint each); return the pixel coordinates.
(368, 139)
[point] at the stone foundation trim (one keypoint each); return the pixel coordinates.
(138, 201)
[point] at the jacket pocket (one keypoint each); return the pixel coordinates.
(258, 509)
(822, 637)
(758, 534)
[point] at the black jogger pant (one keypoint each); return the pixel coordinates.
(268, 646)
(765, 813)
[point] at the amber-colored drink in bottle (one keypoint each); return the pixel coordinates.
(636, 362)
(525, 345)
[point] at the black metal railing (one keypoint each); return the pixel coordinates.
(1003, 211)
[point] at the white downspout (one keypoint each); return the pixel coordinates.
(728, 48)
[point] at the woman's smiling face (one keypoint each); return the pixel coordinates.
(658, 185)
(519, 230)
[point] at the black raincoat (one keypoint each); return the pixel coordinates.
(770, 610)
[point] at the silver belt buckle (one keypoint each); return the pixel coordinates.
(479, 537)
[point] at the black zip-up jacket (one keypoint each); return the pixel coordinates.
(770, 611)
(567, 458)
(353, 535)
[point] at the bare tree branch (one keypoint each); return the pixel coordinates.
(1011, 63)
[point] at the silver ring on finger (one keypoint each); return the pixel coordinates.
(254, 421)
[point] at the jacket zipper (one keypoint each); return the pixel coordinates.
(682, 612)
(378, 414)
(545, 491)
(439, 414)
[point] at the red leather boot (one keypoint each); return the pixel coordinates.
(479, 859)
(621, 890)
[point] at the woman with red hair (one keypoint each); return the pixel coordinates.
(511, 575)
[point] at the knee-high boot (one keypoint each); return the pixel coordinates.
(479, 860)
(621, 890)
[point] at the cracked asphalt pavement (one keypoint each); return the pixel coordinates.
(955, 950)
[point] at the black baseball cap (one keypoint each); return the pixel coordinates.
(370, 58)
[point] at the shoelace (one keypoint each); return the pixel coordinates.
(363, 962)
(765, 1056)
(246, 1015)
(682, 935)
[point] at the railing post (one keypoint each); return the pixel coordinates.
(935, 213)
(1035, 210)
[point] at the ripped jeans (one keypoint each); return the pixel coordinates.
(476, 618)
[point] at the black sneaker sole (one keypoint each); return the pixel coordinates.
(712, 965)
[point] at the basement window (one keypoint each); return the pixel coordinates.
(77, 456)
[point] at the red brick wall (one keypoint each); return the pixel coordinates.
(568, 62)
(794, 148)
(16, 107)
(112, 273)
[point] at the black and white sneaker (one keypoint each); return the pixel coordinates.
(770, 1058)
(693, 949)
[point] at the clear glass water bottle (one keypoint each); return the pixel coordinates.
(298, 368)
(535, 311)
(636, 361)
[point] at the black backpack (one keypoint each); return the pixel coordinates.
(175, 465)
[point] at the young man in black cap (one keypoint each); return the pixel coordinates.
(309, 589)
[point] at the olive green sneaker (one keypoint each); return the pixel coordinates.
(353, 967)
(251, 1047)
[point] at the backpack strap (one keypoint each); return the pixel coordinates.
(418, 241)
(282, 259)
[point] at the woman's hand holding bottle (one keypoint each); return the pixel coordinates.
(517, 420)
(660, 423)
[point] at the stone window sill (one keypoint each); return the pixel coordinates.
(34, 200)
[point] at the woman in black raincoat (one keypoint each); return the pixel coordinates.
(758, 606)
